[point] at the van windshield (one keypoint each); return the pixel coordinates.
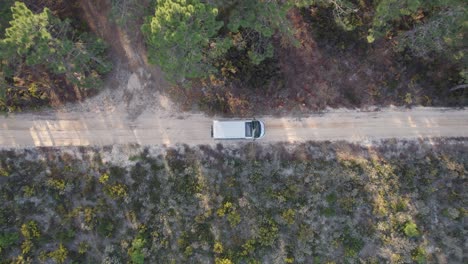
(248, 129)
(256, 128)
(253, 129)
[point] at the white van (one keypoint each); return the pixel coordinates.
(237, 129)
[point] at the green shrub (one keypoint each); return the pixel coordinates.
(4, 172)
(288, 216)
(183, 241)
(83, 247)
(227, 206)
(135, 252)
(188, 251)
(30, 230)
(104, 178)
(116, 191)
(57, 184)
(218, 247)
(419, 255)
(248, 247)
(411, 229)
(60, 254)
(223, 261)
(26, 246)
(268, 233)
(8, 239)
(29, 191)
(234, 218)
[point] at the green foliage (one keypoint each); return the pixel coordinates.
(29, 191)
(35, 43)
(390, 10)
(135, 252)
(57, 184)
(104, 178)
(223, 261)
(4, 172)
(227, 207)
(288, 216)
(187, 40)
(232, 215)
(253, 23)
(116, 191)
(26, 246)
(83, 247)
(440, 34)
(411, 229)
(234, 218)
(430, 27)
(343, 10)
(419, 255)
(218, 247)
(60, 255)
(188, 251)
(7, 240)
(248, 247)
(268, 233)
(182, 39)
(30, 230)
(352, 244)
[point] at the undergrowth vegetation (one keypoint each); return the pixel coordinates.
(396, 202)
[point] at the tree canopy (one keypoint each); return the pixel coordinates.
(182, 38)
(186, 37)
(38, 44)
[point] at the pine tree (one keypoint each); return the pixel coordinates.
(36, 44)
(182, 38)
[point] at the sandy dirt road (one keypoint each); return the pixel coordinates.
(83, 129)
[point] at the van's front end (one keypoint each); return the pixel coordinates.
(259, 128)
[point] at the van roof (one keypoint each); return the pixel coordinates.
(229, 129)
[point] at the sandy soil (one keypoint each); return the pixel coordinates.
(163, 127)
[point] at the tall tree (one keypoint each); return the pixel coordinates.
(253, 23)
(183, 38)
(38, 43)
(187, 37)
(427, 29)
